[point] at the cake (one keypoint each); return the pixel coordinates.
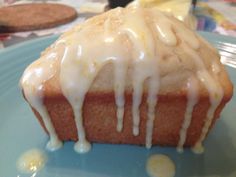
(128, 76)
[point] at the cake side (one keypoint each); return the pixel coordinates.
(99, 112)
(100, 121)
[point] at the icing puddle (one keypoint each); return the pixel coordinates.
(31, 161)
(159, 165)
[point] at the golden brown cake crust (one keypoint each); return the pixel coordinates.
(100, 121)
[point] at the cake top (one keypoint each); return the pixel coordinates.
(132, 35)
(121, 50)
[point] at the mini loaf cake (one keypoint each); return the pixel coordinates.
(128, 76)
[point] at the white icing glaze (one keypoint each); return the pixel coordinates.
(164, 29)
(152, 101)
(131, 44)
(160, 165)
(31, 161)
(74, 91)
(192, 86)
(216, 94)
(78, 65)
(188, 36)
(143, 58)
(120, 71)
(32, 82)
(119, 88)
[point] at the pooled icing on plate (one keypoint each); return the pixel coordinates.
(160, 165)
(31, 161)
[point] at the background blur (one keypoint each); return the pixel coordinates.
(217, 16)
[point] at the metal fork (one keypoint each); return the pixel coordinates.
(228, 53)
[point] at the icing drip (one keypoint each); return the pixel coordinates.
(216, 94)
(120, 71)
(192, 86)
(82, 145)
(143, 57)
(119, 75)
(78, 65)
(167, 27)
(164, 29)
(33, 84)
(152, 101)
(75, 93)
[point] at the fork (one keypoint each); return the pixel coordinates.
(228, 53)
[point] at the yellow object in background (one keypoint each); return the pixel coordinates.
(178, 8)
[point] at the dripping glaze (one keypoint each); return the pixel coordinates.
(33, 84)
(132, 43)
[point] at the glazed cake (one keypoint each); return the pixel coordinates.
(128, 76)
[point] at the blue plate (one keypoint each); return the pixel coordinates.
(20, 131)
